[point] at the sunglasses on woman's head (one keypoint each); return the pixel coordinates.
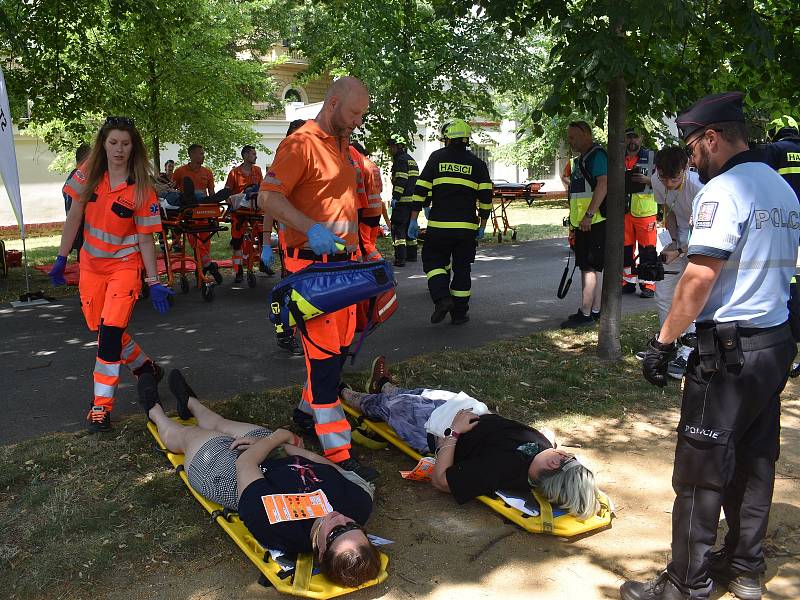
(340, 530)
(117, 121)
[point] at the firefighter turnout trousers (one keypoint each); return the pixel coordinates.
(447, 257)
(405, 248)
(728, 443)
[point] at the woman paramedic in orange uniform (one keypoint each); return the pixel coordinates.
(112, 191)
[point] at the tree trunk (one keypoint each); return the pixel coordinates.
(154, 116)
(608, 345)
(156, 155)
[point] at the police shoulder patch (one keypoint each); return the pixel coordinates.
(705, 215)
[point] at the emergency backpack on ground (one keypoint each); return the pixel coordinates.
(323, 288)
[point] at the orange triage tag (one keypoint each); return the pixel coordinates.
(423, 470)
(296, 507)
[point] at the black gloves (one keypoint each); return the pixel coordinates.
(654, 365)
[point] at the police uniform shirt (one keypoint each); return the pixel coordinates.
(678, 201)
(748, 217)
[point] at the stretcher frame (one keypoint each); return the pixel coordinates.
(502, 199)
(252, 238)
(201, 221)
(548, 521)
(302, 581)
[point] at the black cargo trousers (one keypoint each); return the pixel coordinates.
(727, 447)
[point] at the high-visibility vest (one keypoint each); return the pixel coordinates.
(580, 189)
(643, 204)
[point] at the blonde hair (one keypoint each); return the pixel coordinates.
(138, 166)
(573, 489)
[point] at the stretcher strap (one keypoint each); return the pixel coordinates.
(302, 571)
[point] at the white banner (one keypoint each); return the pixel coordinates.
(8, 156)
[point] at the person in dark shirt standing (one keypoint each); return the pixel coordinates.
(81, 154)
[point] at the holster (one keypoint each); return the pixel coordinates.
(728, 336)
(707, 350)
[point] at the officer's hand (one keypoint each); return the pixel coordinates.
(56, 274)
(427, 211)
(159, 294)
(323, 241)
(654, 365)
(481, 233)
(586, 224)
(267, 257)
(413, 230)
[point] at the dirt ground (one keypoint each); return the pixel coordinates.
(444, 551)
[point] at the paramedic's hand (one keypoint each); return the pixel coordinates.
(267, 257)
(159, 294)
(427, 211)
(654, 365)
(464, 421)
(322, 241)
(413, 230)
(481, 233)
(56, 274)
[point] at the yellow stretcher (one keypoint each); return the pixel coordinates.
(552, 521)
(299, 582)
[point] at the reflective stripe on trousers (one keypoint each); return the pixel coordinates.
(132, 355)
(106, 378)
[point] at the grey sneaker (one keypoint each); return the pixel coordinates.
(640, 355)
(677, 368)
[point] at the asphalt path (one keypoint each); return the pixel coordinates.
(228, 346)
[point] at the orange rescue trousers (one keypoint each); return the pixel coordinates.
(641, 231)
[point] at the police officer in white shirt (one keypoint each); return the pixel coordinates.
(742, 252)
(674, 187)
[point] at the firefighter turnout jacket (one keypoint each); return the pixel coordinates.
(404, 176)
(454, 183)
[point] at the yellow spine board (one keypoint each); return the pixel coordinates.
(562, 526)
(302, 582)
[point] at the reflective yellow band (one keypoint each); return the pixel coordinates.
(460, 293)
(425, 184)
(399, 189)
(400, 242)
(485, 186)
(436, 272)
(401, 175)
(789, 171)
(485, 205)
(453, 225)
(406, 200)
(456, 181)
(416, 198)
(413, 173)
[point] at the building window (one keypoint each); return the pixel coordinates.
(483, 153)
(292, 95)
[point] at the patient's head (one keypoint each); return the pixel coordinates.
(564, 480)
(345, 554)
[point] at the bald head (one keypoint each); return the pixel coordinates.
(345, 104)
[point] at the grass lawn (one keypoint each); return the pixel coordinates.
(543, 220)
(79, 513)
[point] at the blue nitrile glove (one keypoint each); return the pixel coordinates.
(393, 203)
(267, 257)
(158, 296)
(56, 274)
(322, 241)
(413, 230)
(481, 233)
(427, 211)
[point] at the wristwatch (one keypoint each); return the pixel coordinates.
(589, 214)
(451, 433)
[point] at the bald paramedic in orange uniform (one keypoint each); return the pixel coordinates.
(311, 191)
(111, 192)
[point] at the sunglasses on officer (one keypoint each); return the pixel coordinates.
(118, 121)
(691, 145)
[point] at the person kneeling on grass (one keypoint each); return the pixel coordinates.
(477, 452)
(234, 464)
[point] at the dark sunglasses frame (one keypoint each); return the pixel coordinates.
(117, 121)
(340, 530)
(690, 147)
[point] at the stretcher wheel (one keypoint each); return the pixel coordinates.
(251, 280)
(184, 284)
(514, 237)
(207, 292)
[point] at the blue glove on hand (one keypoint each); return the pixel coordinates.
(267, 257)
(413, 230)
(158, 296)
(56, 274)
(427, 211)
(481, 233)
(393, 203)
(323, 241)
